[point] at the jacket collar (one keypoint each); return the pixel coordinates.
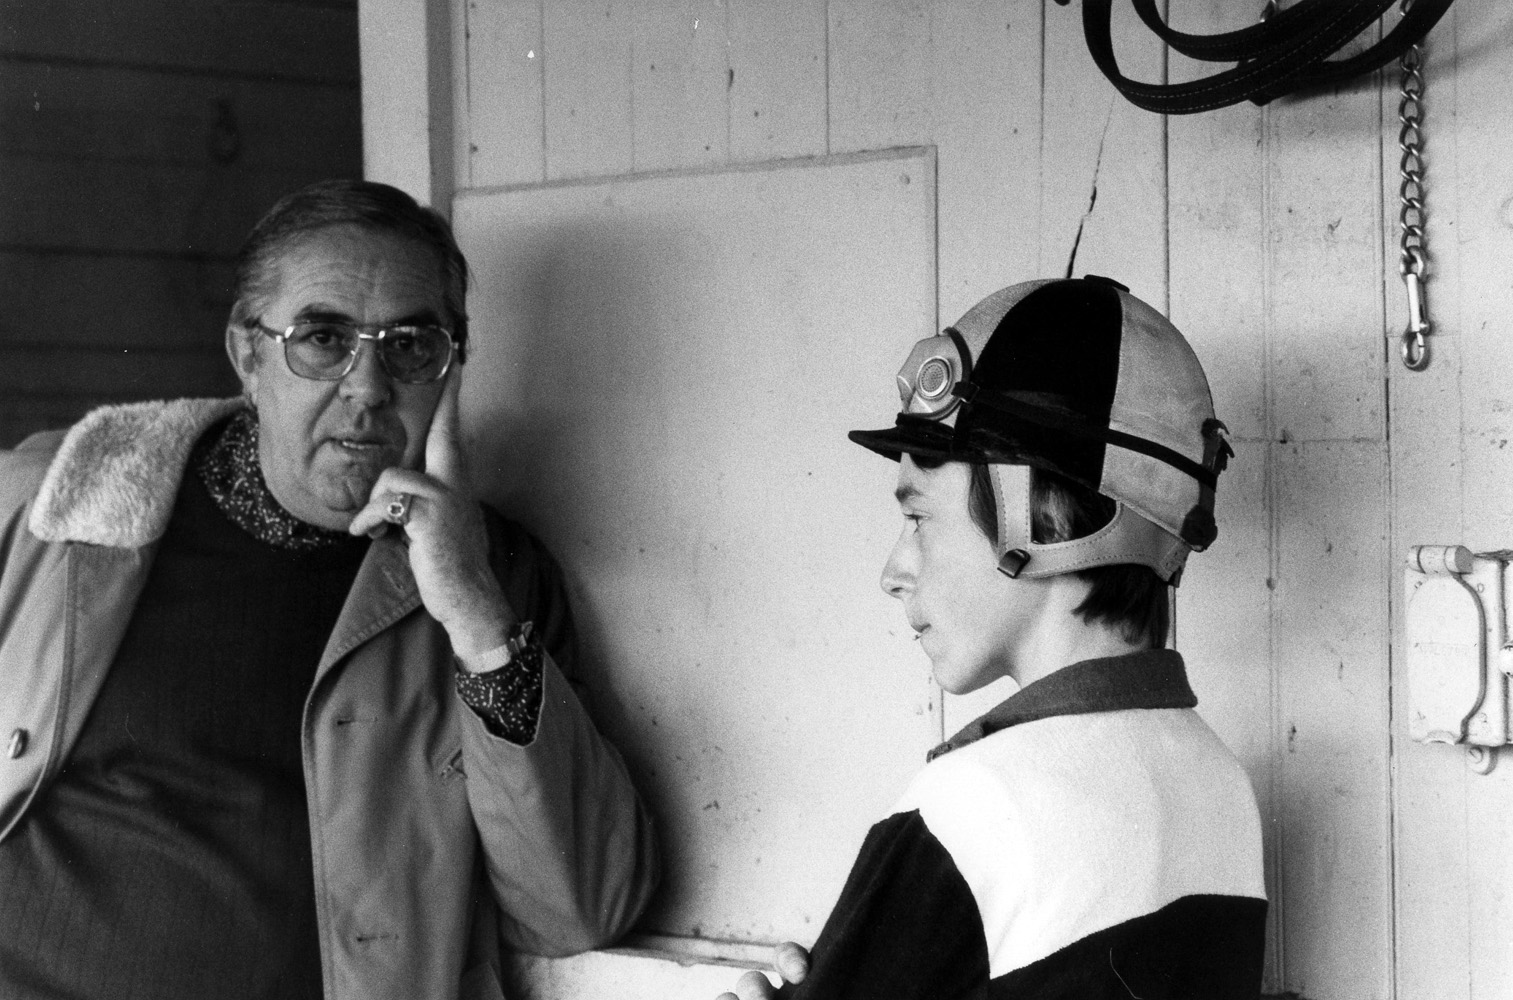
(115, 477)
(1152, 678)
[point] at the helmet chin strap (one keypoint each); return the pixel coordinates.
(1128, 538)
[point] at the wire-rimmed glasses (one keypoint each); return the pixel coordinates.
(326, 350)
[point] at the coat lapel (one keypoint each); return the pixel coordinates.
(384, 592)
(103, 586)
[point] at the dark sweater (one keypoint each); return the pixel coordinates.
(171, 858)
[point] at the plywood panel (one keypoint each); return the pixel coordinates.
(1103, 194)
(681, 83)
(778, 99)
(676, 363)
(1330, 639)
(260, 41)
(505, 121)
(587, 81)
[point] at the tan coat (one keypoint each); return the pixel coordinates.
(414, 806)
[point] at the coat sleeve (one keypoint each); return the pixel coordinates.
(567, 844)
(906, 924)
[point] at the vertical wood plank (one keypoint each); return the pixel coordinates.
(587, 87)
(505, 111)
(1225, 611)
(1217, 164)
(1433, 789)
(1225, 607)
(405, 48)
(1330, 635)
(460, 127)
(680, 84)
(1103, 194)
(778, 94)
(985, 70)
(1325, 306)
(983, 85)
(880, 74)
(1472, 241)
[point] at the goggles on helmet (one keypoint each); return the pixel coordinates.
(935, 367)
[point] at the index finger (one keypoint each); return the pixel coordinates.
(444, 440)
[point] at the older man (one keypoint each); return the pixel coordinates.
(287, 711)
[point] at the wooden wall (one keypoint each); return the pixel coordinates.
(139, 142)
(1267, 233)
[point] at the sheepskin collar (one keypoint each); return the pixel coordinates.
(115, 477)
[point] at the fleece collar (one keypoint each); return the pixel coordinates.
(115, 477)
(1153, 678)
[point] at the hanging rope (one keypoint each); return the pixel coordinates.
(1287, 52)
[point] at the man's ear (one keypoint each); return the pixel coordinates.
(241, 348)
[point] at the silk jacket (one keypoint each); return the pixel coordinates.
(434, 842)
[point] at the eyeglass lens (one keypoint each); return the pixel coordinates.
(407, 353)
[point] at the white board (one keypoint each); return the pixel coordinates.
(664, 372)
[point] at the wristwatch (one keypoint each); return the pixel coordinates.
(521, 638)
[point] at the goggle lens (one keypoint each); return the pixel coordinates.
(928, 376)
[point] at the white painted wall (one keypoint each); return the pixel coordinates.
(1267, 234)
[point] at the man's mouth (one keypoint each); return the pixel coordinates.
(359, 445)
(919, 632)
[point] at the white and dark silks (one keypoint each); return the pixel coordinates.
(1090, 837)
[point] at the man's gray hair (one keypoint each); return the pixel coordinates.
(366, 204)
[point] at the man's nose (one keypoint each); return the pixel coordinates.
(367, 383)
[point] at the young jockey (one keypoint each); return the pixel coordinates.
(1090, 836)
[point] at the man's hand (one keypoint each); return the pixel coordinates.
(447, 542)
(790, 962)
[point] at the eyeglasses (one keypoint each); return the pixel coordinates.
(326, 350)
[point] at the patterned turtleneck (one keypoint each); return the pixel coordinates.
(508, 699)
(227, 463)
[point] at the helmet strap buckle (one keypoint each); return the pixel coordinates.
(1013, 562)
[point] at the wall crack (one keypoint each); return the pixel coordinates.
(1071, 261)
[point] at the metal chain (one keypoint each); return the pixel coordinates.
(1414, 258)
